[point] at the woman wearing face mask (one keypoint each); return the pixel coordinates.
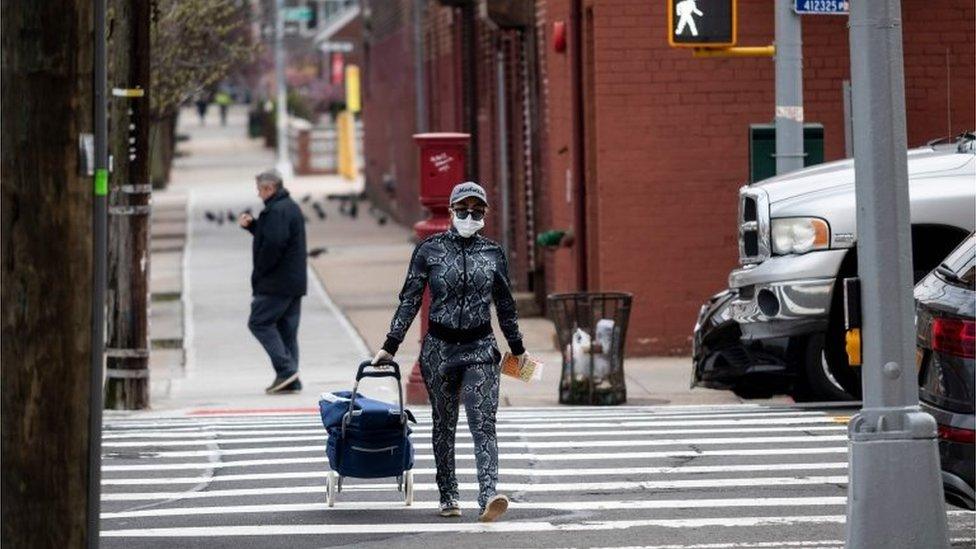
(459, 356)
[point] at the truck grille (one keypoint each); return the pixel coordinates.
(753, 226)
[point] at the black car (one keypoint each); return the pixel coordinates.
(946, 345)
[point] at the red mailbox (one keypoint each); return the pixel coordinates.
(443, 157)
(442, 162)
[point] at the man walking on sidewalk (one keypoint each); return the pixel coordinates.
(278, 279)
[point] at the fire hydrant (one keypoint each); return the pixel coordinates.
(443, 157)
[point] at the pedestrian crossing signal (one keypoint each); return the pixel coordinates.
(701, 23)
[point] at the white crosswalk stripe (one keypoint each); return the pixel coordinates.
(509, 472)
(504, 445)
(572, 473)
(157, 439)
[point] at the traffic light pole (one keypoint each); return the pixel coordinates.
(281, 114)
(789, 88)
(99, 273)
(895, 495)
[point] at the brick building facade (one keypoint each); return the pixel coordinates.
(637, 147)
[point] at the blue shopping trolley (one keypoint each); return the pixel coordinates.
(368, 438)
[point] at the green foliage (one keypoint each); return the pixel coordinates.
(196, 44)
(299, 106)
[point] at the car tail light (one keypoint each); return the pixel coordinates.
(956, 434)
(954, 337)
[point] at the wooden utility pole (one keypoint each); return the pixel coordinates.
(46, 99)
(127, 353)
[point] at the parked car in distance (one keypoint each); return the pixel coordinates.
(945, 325)
(779, 326)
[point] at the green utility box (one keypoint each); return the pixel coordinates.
(762, 149)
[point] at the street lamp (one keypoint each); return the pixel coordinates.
(283, 164)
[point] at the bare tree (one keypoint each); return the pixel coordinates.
(195, 44)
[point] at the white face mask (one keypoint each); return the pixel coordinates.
(467, 227)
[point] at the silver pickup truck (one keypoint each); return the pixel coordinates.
(779, 327)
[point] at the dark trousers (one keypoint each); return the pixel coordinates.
(274, 322)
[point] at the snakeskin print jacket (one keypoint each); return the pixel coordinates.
(465, 276)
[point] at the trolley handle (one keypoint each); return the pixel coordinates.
(389, 369)
(383, 368)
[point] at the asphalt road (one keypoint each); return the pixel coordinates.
(706, 477)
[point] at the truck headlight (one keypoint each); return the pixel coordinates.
(799, 235)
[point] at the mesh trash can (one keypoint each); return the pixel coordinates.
(591, 329)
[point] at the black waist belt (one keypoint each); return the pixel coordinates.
(458, 335)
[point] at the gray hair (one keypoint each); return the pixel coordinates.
(269, 177)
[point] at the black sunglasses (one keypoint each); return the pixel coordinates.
(463, 213)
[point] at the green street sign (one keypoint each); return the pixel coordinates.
(302, 13)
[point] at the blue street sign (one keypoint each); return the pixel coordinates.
(821, 7)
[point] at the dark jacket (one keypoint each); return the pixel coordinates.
(465, 276)
(279, 253)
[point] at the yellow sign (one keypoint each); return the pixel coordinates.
(353, 103)
(128, 92)
(853, 346)
(346, 126)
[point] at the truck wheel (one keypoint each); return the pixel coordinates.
(820, 373)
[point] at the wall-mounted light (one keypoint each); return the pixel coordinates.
(559, 36)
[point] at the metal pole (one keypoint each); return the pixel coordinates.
(419, 75)
(948, 95)
(469, 77)
(579, 130)
(99, 279)
(281, 117)
(503, 179)
(848, 120)
(895, 495)
(789, 89)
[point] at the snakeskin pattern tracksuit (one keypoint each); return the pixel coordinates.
(465, 275)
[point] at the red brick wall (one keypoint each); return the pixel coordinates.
(388, 112)
(938, 34)
(442, 57)
(352, 32)
(671, 142)
(445, 99)
(557, 119)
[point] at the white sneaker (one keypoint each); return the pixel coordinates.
(450, 509)
(495, 508)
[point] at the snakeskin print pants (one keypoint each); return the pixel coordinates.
(476, 386)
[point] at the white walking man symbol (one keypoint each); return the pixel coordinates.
(685, 10)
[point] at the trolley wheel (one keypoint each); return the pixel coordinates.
(330, 488)
(408, 488)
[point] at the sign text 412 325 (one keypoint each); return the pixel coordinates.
(838, 7)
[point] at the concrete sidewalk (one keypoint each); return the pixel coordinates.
(225, 366)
